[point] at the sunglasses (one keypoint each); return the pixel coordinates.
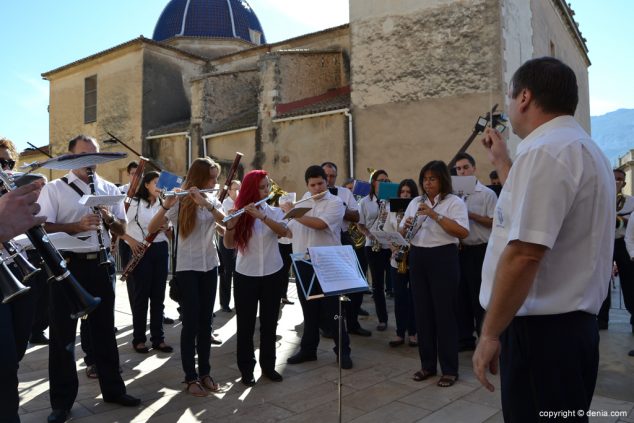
(7, 163)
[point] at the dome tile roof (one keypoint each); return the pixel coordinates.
(209, 18)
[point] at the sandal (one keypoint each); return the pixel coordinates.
(91, 372)
(422, 375)
(447, 380)
(197, 391)
(209, 384)
(413, 342)
(381, 326)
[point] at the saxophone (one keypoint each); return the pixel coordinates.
(358, 239)
(401, 254)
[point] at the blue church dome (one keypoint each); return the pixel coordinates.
(209, 18)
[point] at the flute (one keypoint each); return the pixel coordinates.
(167, 194)
(242, 210)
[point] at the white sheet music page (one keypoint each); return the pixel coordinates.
(337, 269)
(101, 200)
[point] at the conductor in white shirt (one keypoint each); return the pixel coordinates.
(550, 251)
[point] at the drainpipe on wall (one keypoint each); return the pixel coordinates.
(189, 150)
(350, 141)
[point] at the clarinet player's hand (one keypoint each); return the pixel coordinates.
(89, 222)
(135, 246)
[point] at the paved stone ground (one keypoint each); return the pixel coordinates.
(378, 389)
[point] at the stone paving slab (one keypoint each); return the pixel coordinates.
(378, 389)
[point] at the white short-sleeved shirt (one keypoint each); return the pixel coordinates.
(124, 188)
(556, 196)
(369, 215)
(626, 211)
(482, 201)
(629, 239)
(262, 255)
(330, 209)
(198, 251)
(139, 217)
(60, 204)
(431, 234)
(349, 202)
(391, 225)
(227, 204)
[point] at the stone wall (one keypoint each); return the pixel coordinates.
(430, 52)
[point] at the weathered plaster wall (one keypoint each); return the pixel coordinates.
(171, 152)
(306, 74)
(428, 52)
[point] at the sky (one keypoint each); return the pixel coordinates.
(40, 35)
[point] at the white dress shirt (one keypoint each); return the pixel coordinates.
(60, 204)
(349, 202)
(139, 217)
(625, 211)
(629, 239)
(482, 202)
(198, 251)
(430, 233)
(329, 209)
(227, 204)
(262, 256)
(557, 195)
(369, 216)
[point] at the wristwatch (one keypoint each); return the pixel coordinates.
(439, 217)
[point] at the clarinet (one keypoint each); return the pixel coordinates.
(104, 260)
(80, 301)
(26, 268)
(411, 232)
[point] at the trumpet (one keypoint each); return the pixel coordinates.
(242, 210)
(167, 194)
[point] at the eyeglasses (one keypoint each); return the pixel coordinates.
(9, 164)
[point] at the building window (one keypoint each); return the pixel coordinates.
(90, 99)
(256, 36)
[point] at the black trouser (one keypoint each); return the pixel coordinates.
(626, 277)
(40, 290)
(313, 310)
(403, 304)
(548, 363)
(150, 277)
(99, 282)
(16, 319)
(228, 257)
(470, 312)
(197, 298)
(379, 265)
(285, 251)
(434, 275)
(249, 291)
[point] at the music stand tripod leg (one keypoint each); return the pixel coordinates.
(339, 317)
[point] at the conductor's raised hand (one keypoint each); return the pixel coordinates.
(495, 146)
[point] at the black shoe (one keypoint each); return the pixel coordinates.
(381, 327)
(125, 400)
(301, 357)
(326, 334)
(360, 331)
(215, 340)
(141, 348)
(363, 312)
(287, 301)
(168, 321)
(163, 347)
(39, 339)
(346, 362)
(272, 375)
(58, 416)
(248, 380)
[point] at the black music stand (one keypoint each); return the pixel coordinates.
(336, 272)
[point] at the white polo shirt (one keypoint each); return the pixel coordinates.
(60, 204)
(198, 251)
(482, 201)
(139, 217)
(431, 234)
(557, 195)
(329, 209)
(262, 255)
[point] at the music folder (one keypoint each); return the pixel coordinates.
(296, 212)
(336, 271)
(399, 205)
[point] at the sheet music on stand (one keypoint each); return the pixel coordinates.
(336, 268)
(101, 200)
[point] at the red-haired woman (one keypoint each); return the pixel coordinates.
(197, 262)
(258, 275)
